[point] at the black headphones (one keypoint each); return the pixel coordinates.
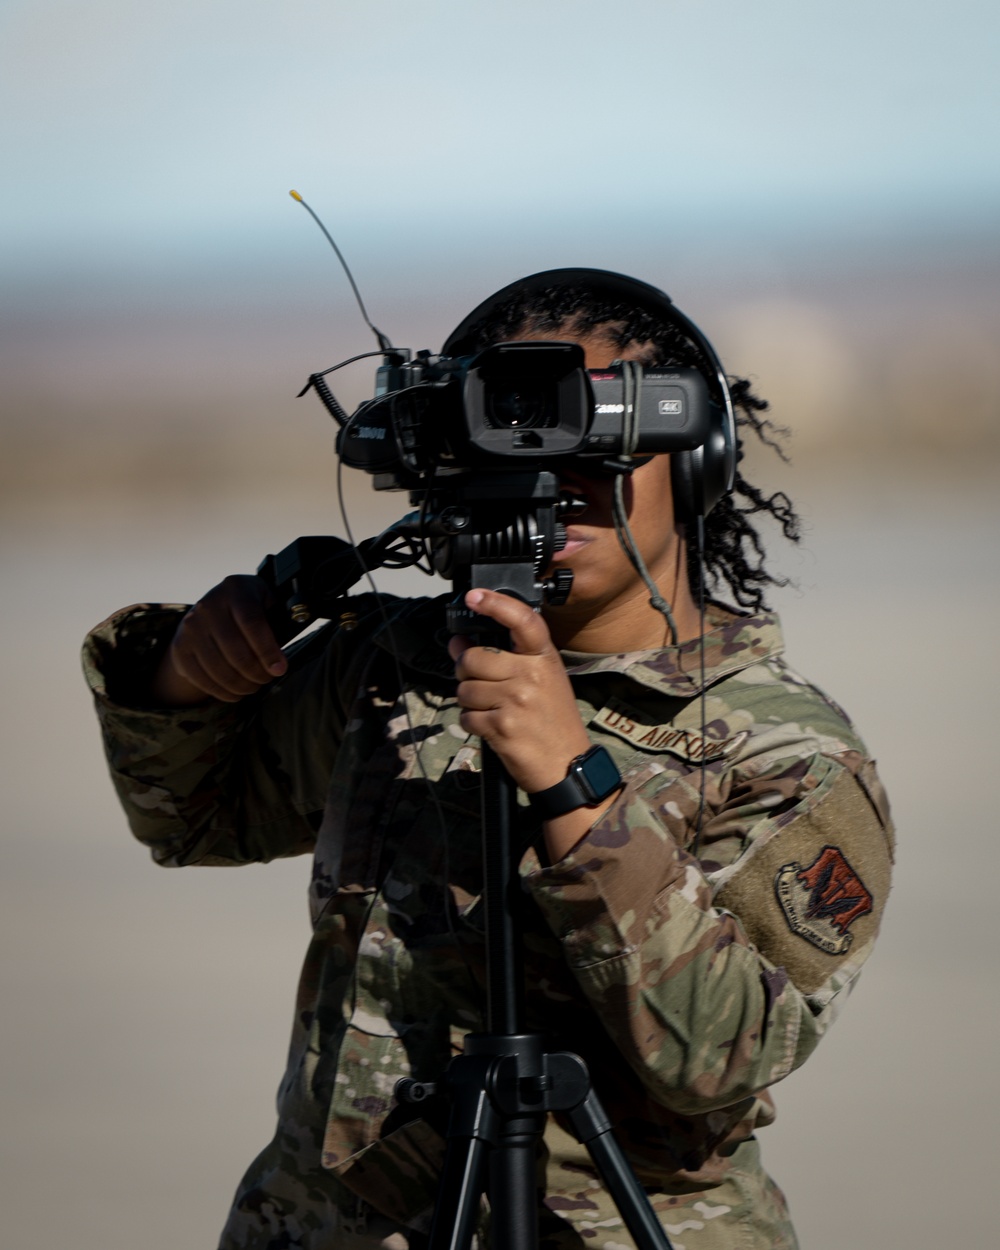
(700, 477)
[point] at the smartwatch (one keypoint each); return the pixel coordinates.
(590, 779)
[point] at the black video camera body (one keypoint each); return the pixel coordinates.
(515, 403)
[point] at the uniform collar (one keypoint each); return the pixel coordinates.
(414, 631)
(733, 641)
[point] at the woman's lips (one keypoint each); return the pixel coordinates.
(576, 540)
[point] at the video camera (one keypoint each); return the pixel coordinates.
(514, 405)
(480, 439)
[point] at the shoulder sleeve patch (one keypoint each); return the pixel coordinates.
(816, 890)
(822, 899)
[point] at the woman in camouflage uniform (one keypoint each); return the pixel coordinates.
(691, 935)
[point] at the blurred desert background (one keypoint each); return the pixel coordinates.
(829, 218)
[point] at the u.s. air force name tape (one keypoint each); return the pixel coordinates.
(615, 718)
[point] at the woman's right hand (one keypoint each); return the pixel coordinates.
(223, 649)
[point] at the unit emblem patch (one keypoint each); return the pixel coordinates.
(823, 900)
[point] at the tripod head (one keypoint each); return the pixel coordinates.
(496, 530)
(499, 531)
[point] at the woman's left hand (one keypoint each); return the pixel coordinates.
(521, 703)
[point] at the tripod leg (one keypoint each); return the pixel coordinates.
(457, 1207)
(593, 1130)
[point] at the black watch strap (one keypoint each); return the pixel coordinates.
(590, 779)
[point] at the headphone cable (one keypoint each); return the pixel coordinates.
(700, 549)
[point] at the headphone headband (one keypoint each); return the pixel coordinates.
(601, 282)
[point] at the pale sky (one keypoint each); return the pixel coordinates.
(133, 130)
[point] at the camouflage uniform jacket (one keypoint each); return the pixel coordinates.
(689, 978)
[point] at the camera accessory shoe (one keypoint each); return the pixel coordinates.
(591, 778)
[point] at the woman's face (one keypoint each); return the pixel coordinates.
(604, 580)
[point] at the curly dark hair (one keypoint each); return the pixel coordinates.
(734, 553)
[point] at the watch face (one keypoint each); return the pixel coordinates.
(599, 773)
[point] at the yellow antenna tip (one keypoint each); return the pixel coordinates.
(295, 196)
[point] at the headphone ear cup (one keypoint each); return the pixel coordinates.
(700, 478)
(682, 474)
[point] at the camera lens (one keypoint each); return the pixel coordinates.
(521, 407)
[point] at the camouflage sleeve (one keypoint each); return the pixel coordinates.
(218, 783)
(716, 985)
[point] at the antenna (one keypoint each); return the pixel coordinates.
(384, 344)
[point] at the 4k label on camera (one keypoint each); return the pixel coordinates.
(615, 718)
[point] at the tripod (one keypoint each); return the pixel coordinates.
(504, 1084)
